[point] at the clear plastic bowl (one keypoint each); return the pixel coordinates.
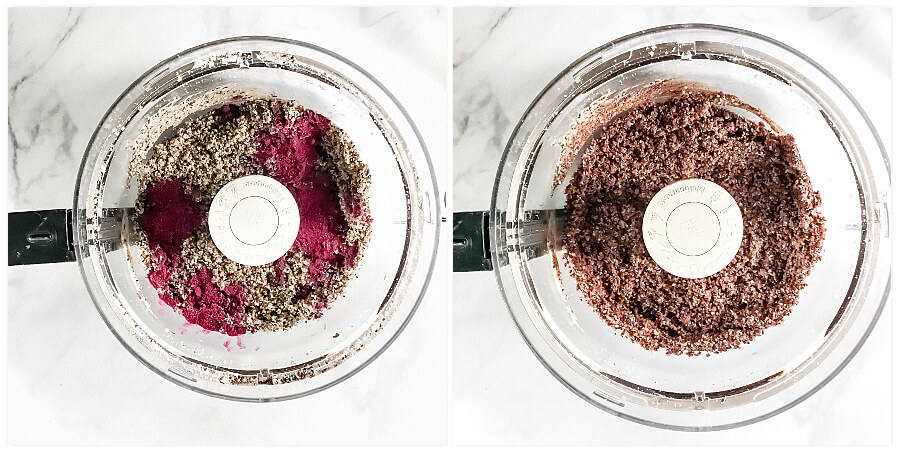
(392, 275)
(836, 311)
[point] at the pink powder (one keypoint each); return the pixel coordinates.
(279, 273)
(213, 308)
(163, 269)
(170, 214)
(205, 303)
(290, 153)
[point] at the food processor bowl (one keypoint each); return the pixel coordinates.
(846, 291)
(392, 275)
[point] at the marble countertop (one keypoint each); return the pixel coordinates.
(69, 380)
(502, 58)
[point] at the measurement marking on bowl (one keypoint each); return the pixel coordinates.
(608, 398)
(182, 374)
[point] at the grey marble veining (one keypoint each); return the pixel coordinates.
(36, 115)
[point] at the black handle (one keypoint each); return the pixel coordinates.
(471, 243)
(40, 237)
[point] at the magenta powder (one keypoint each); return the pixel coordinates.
(291, 153)
(203, 302)
(170, 214)
(212, 307)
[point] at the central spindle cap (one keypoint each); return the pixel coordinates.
(693, 228)
(254, 220)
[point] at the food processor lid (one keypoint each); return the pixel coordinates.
(254, 220)
(693, 228)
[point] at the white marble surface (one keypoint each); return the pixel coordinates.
(69, 380)
(502, 58)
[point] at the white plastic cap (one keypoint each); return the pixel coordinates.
(693, 228)
(254, 220)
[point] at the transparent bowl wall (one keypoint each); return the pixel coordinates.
(392, 275)
(846, 290)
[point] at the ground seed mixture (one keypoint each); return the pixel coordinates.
(639, 152)
(299, 148)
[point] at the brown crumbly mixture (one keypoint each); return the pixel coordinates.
(206, 153)
(653, 145)
(605, 108)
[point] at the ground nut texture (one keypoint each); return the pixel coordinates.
(179, 178)
(653, 145)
